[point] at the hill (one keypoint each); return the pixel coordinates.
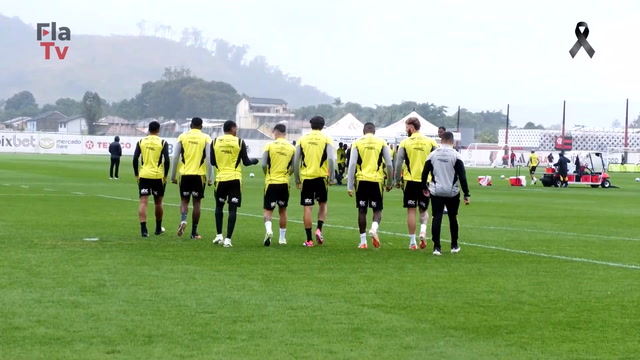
(116, 66)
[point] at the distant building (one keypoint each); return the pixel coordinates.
(73, 125)
(262, 113)
(17, 124)
(47, 121)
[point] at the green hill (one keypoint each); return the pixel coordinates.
(116, 67)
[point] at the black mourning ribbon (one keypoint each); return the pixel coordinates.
(582, 41)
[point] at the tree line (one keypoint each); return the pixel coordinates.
(180, 95)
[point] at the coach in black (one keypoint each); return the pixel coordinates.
(115, 149)
(446, 168)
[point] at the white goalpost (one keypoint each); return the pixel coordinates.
(486, 155)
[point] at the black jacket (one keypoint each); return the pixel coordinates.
(115, 149)
(562, 164)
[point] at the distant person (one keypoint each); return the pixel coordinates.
(442, 172)
(550, 159)
(313, 168)
(347, 154)
(228, 151)
(441, 131)
(563, 168)
(578, 169)
(341, 163)
(411, 157)
(367, 176)
(277, 165)
(152, 178)
(513, 159)
(115, 149)
(533, 164)
(192, 150)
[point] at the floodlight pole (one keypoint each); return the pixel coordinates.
(564, 105)
(458, 127)
(626, 126)
(506, 132)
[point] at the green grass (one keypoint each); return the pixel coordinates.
(544, 273)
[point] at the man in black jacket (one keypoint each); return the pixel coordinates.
(115, 149)
(563, 168)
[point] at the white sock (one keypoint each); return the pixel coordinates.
(412, 239)
(267, 225)
(282, 233)
(423, 228)
(374, 226)
(363, 238)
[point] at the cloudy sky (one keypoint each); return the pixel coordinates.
(481, 55)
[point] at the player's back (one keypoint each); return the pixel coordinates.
(279, 161)
(533, 159)
(151, 156)
(314, 155)
(444, 181)
(417, 148)
(369, 165)
(226, 157)
(193, 152)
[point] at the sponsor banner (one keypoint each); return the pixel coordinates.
(255, 148)
(60, 144)
(19, 142)
(44, 143)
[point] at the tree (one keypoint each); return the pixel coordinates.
(21, 104)
(175, 73)
(531, 125)
(616, 124)
(337, 102)
(635, 123)
(91, 110)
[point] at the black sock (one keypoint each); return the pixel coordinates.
(219, 218)
(231, 222)
(308, 231)
(143, 227)
(194, 229)
(158, 225)
(320, 223)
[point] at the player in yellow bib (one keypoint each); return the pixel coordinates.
(314, 165)
(152, 178)
(277, 165)
(533, 164)
(410, 159)
(370, 157)
(191, 153)
(227, 152)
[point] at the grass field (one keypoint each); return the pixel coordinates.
(544, 273)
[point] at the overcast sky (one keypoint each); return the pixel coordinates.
(481, 55)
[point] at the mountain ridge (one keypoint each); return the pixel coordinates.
(116, 66)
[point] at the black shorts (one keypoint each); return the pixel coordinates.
(369, 194)
(276, 194)
(147, 187)
(532, 169)
(192, 185)
(414, 197)
(314, 189)
(229, 192)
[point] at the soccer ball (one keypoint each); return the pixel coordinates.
(252, 175)
(637, 179)
(501, 176)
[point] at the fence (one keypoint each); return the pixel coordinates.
(48, 143)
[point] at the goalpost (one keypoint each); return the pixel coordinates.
(623, 159)
(485, 154)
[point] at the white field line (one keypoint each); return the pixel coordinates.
(523, 252)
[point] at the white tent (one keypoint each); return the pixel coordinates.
(347, 126)
(398, 128)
